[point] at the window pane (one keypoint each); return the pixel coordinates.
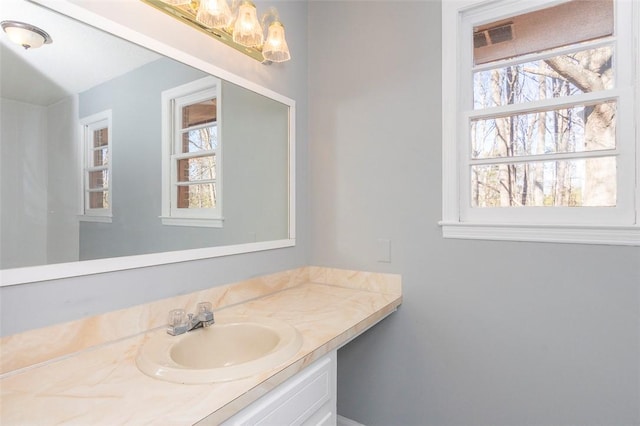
(587, 182)
(98, 179)
(199, 113)
(98, 200)
(100, 157)
(205, 139)
(545, 29)
(195, 169)
(565, 75)
(197, 196)
(576, 129)
(100, 137)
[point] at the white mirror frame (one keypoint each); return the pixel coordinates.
(88, 267)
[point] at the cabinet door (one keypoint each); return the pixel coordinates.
(309, 397)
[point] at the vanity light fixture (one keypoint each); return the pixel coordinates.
(26, 35)
(236, 25)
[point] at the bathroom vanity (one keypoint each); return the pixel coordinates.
(84, 372)
(307, 398)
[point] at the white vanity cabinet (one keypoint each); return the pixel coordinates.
(308, 398)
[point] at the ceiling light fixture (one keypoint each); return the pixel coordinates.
(236, 25)
(26, 35)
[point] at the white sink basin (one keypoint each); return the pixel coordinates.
(231, 349)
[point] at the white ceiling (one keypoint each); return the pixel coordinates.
(79, 58)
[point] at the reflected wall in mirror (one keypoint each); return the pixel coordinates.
(47, 92)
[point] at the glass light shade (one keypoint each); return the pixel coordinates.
(177, 2)
(275, 49)
(25, 35)
(247, 30)
(214, 13)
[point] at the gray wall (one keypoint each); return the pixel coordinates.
(63, 181)
(66, 299)
(490, 333)
(38, 195)
(256, 166)
(38, 188)
(23, 136)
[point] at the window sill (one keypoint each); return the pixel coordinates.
(101, 219)
(191, 221)
(577, 234)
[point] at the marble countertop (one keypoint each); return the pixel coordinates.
(101, 384)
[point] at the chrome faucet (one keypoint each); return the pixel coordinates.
(180, 322)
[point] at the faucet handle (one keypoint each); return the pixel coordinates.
(204, 313)
(177, 322)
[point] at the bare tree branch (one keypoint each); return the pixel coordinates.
(585, 79)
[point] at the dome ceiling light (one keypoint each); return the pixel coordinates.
(26, 35)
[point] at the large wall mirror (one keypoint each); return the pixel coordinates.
(77, 199)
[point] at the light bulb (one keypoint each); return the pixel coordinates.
(247, 30)
(214, 13)
(177, 2)
(275, 49)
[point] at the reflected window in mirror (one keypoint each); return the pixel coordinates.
(96, 167)
(192, 154)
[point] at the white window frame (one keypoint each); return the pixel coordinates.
(172, 101)
(616, 226)
(88, 125)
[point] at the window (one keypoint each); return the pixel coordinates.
(192, 174)
(96, 167)
(540, 143)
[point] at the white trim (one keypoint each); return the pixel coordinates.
(546, 104)
(292, 168)
(193, 221)
(101, 219)
(532, 158)
(450, 99)
(608, 235)
(16, 276)
(74, 269)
